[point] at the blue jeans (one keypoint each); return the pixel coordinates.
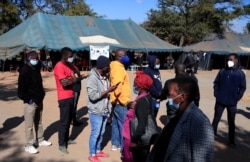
(231, 112)
(98, 125)
(117, 124)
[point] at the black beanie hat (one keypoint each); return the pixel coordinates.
(32, 54)
(102, 61)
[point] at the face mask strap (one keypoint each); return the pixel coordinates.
(177, 96)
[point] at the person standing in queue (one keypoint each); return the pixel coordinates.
(229, 87)
(155, 90)
(120, 97)
(99, 106)
(65, 79)
(31, 91)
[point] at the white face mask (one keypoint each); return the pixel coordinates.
(34, 62)
(157, 66)
(70, 59)
(230, 63)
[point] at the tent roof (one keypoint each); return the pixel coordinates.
(52, 32)
(222, 44)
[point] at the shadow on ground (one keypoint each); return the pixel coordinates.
(75, 131)
(11, 123)
(240, 153)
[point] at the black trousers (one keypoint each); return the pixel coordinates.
(76, 98)
(66, 110)
(231, 112)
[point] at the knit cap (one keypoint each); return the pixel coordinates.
(102, 61)
(143, 80)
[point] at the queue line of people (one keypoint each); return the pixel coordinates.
(109, 93)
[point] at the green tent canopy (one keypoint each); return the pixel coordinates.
(222, 44)
(52, 32)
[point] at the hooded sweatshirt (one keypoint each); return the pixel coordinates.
(122, 94)
(96, 103)
(156, 88)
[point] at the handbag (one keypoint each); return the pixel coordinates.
(151, 130)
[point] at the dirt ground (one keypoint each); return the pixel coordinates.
(12, 125)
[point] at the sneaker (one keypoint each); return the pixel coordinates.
(115, 148)
(71, 142)
(101, 154)
(44, 143)
(94, 159)
(30, 149)
(63, 149)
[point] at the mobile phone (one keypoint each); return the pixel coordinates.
(117, 83)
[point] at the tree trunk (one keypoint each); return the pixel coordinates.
(181, 41)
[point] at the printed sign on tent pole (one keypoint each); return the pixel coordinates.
(96, 51)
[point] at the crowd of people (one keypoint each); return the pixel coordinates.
(188, 134)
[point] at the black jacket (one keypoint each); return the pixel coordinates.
(156, 88)
(142, 108)
(30, 84)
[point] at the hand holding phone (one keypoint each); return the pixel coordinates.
(117, 83)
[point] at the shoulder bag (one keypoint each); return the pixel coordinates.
(151, 130)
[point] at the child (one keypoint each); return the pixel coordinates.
(127, 154)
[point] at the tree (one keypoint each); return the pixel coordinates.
(188, 21)
(66, 7)
(9, 17)
(12, 12)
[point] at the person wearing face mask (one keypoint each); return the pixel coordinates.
(99, 106)
(179, 72)
(31, 91)
(119, 97)
(77, 91)
(189, 135)
(140, 109)
(155, 90)
(65, 79)
(229, 87)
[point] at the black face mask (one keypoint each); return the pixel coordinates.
(106, 71)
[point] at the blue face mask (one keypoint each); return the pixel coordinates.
(125, 59)
(135, 90)
(157, 66)
(34, 62)
(174, 107)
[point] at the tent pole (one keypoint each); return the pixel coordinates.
(5, 60)
(3, 66)
(247, 61)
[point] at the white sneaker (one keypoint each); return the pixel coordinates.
(114, 148)
(44, 143)
(31, 149)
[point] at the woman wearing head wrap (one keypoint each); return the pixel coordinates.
(139, 108)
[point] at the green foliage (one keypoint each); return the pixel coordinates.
(8, 16)
(80, 8)
(12, 12)
(191, 20)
